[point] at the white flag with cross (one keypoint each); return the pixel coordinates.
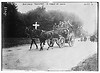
(36, 25)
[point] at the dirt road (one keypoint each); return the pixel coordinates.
(20, 58)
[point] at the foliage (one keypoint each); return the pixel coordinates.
(14, 22)
(90, 64)
(12, 42)
(47, 19)
(9, 11)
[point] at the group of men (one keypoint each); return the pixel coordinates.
(62, 24)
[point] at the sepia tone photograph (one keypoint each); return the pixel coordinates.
(49, 36)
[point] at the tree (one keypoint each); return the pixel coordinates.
(9, 22)
(38, 15)
(47, 19)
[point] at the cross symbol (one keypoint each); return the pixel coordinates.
(36, 25)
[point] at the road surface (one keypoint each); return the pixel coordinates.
(20, 58)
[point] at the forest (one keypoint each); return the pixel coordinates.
(14, 22)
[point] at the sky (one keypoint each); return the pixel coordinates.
(87, 12)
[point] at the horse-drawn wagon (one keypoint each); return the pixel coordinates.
(60, 35)
(65, 36)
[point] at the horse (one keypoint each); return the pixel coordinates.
(41, 35)
(48, 35)
(33, 34)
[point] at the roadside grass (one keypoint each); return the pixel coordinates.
(11, 42)
(89, 64)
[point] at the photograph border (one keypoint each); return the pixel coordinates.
(60, 2)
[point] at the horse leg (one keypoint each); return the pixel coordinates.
(48, 48)
(58, 45)
(41, 48)
(35, 44)
(31, 44)
(57, 42)
(51, 44)
(44, 43)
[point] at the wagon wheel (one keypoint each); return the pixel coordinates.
(61, 42)
(71, 41)
(50, 42)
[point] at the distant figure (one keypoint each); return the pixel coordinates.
(60, 24)
(93, 38)
(66, 24)
(55, 26)
(84, 38)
